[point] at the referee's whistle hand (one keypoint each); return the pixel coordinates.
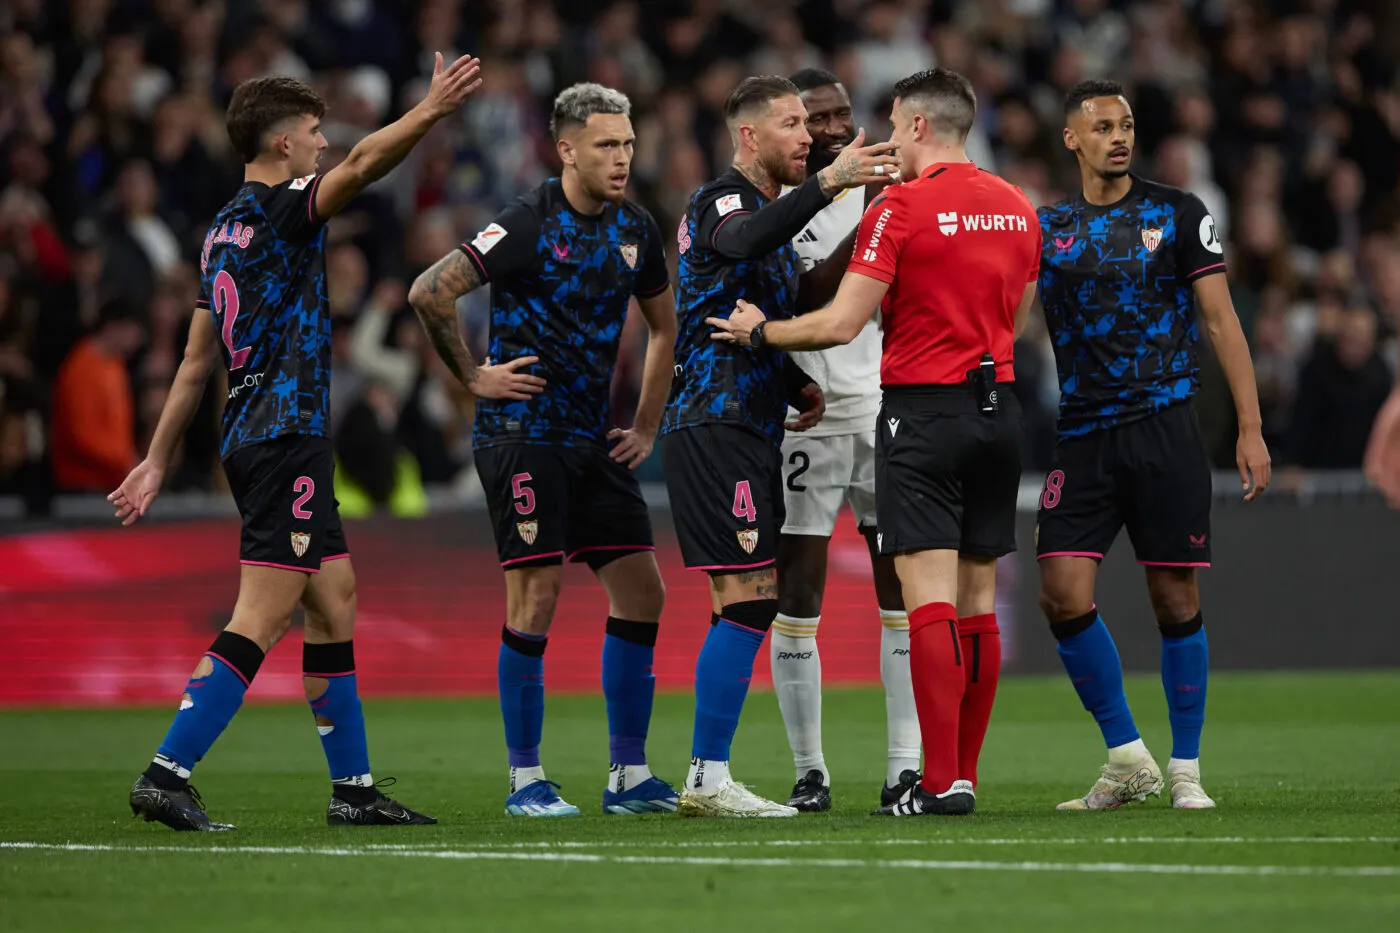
(738, 326)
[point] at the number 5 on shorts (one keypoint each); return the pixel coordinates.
(743, 502)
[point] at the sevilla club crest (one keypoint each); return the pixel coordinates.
(629, 254)
(300, 542)
(1152, 238)
(528, 530)
(748, 539)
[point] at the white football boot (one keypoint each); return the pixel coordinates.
(1131, 781)
(730, 799)
(1184, 778)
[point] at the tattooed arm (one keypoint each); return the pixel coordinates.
(434, 298)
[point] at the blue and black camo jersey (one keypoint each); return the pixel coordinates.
(734, 243)
(561, 283)
(1116, 285)
(263, 277)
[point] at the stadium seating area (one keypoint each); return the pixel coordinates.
(1284, 117)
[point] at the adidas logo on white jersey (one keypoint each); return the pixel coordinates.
(808, 236)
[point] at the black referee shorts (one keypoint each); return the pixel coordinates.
(946, 475)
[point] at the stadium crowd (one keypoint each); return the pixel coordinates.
(1284, 117)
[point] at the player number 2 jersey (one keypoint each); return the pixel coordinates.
(1116, 283)
(849, 375)
(263, 277)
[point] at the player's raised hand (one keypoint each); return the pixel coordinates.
(1256, 468)
(452, 85)
(859, 164)
(810, 405)
(633, 445)
(736, 328)
(504, 381)
(136, 493)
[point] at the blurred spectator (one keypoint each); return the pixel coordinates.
(93, 443)
(1340, 390)
(1283, 118)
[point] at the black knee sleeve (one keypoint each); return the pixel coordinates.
(1072, 627)
(334, 658)
(530, 647)
(757, 614)
(638, 633)
(238, 652)
(1182, 629)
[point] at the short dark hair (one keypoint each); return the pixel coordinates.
(576, 104)
(809, 78)
(757, 90)
(944, 97)
(260, 104)
(1088, 90)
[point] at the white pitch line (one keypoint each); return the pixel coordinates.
(1116, 868)
(801, 843)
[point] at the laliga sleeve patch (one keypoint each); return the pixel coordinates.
(300, 183)
(488, 238)
(1209, 238)
(729, 204)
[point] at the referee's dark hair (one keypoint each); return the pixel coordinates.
(944, 98)
(1088, 90)
(809, 78)
(755, 92)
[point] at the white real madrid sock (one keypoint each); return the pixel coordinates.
(901, 716)
(705, 776)
(797, 679)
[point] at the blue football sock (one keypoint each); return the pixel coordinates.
(212, 695)
(339, 717)
(1091, 660)
(722, 675)
(1185, 665)
(628, 688)
(520, 677)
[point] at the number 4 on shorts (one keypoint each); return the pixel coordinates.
(743, 502)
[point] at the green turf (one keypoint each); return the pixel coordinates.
(1287, 756)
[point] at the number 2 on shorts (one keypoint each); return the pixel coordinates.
(307, 487)
(743, 502)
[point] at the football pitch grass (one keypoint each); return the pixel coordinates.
(1306, 837)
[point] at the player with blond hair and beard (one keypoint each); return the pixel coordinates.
(724, 422)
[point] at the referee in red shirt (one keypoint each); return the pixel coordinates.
(950, 258)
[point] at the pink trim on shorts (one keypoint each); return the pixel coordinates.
(1174, 563)
(265, 563)
(516, 560)
(341, 556)
(763, 563)
(225, 663)
(1094, 554)
(612, 547)
(327, 676)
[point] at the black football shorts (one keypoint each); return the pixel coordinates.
(285, 492)
(725, 484)
(946, 475)
(1151, 476)
(549, 502)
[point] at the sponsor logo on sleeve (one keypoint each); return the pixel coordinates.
(729, 204)
(487, 239)
(1209, 238)
(299, 184)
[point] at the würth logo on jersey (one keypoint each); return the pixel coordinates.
(991, 223)
(1151, 238)
(948, 223)
(875, 234)
(748, 539)
(528, 530)
(629, 254)
(300, 542)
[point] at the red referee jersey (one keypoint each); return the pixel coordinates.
(957, 246)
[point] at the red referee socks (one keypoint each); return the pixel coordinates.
(935, 661)
(980, 641)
